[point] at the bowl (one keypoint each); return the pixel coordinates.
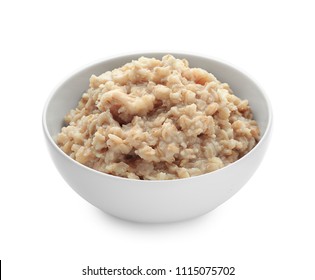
(156, 201)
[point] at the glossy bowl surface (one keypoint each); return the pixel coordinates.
(156, 201)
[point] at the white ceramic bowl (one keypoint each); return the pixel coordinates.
(156, 201)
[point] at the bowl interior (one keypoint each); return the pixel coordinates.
(67, 95)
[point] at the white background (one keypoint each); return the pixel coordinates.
(266, 230)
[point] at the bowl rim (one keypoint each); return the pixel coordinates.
(152, 53)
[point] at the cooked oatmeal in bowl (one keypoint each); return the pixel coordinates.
(157, 119)
(114, 137)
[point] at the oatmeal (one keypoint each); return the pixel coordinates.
(156, 120)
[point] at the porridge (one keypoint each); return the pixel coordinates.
(156, 120)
